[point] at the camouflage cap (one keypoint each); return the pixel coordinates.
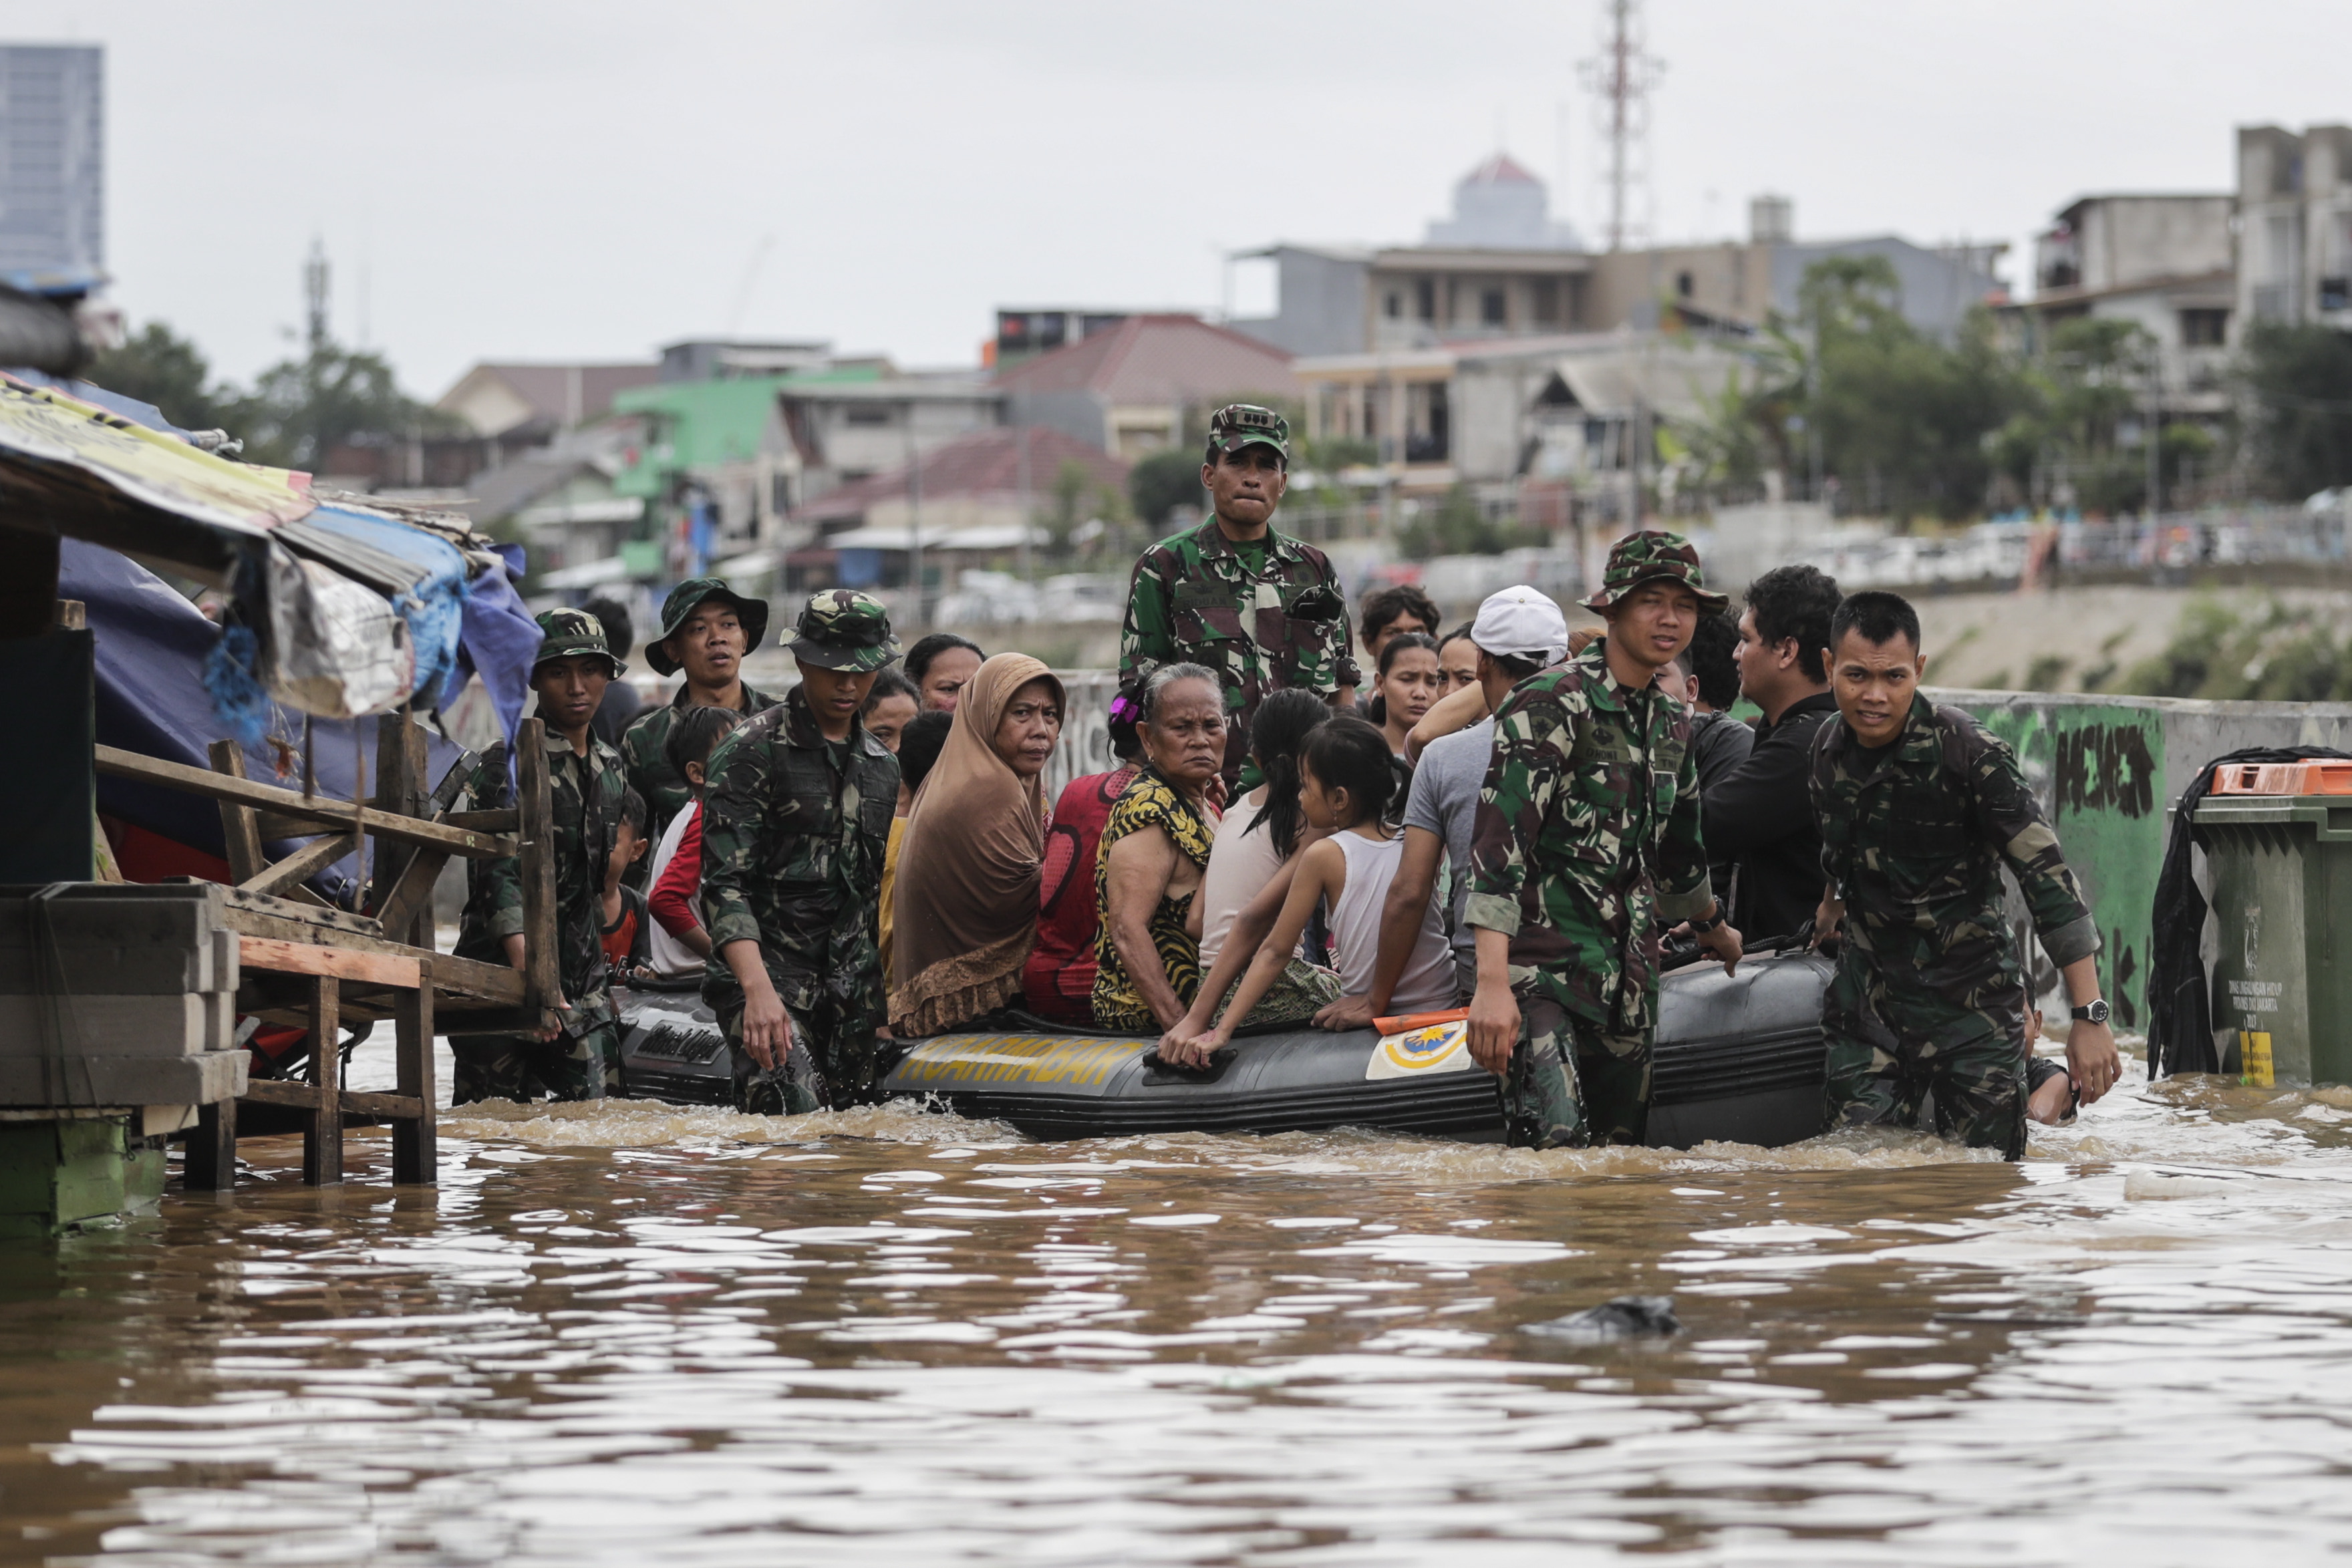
(841, 629)
(1646, 556)
(1240, 425)
(567, 633)
(689, 596)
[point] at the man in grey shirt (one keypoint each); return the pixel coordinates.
(1519, 632)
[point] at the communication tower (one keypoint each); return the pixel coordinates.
(1621, 77)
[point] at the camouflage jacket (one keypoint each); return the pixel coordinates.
(1192, 598)
(1913, 835)
(586, 793)
(645, 746)
(792, 858)
(1587, 838)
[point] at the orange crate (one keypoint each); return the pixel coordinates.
(2320, 778)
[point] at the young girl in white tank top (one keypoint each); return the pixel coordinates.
(1345, 784)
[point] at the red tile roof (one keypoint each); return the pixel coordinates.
(984, 462)
(1159, 359)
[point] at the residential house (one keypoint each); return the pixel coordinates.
(977, 501)
(1569, 414)
(1136, 387)
(2162, 262)
(1501, 268)
(851, 422)
(1023, 332)
(2294, 225)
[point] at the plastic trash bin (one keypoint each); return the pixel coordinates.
(2278, 842)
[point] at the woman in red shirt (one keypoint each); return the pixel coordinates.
(1058, 982)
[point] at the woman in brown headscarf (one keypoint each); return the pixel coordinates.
(966, 894)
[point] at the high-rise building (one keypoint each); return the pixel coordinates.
(52, 157)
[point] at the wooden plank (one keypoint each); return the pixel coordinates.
(398, 1109)
(322, 1140)
(415, 1140)
(502, 820)
(317, 915)
(238, 824)
(331, 814)
(395, 790)
(210, 1162)
(542, 976)
(300, 866)
(409, 906)
(493, 1020)
(282, 1092)
(394, 1108)
(307, 958)
(459, 981)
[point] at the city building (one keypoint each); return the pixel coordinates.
(504, 411)
(1023, 332)
(1501, 268)
(2294, 225)
(851, 422)
(2163, 262)
(977, 501)
(1141, 384)
(52, 159)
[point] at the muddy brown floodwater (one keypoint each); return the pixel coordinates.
(627, 1334)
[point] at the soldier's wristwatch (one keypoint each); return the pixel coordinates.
(2093, 1011)
(1701, 927)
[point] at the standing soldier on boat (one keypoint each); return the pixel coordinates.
(1260, 609)
(1587, 845)
(581, 1058)
(706, 628)
(795, 817)
(1918, 810)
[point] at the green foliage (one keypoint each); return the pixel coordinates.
(1461, 526)
(298, 412)
(2274, 654)
(2299, 429)
(1333, 452)
(158, 366)
(1164, 481)
(1905, 420)
(301, 409)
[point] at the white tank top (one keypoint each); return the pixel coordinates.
(1427, 982)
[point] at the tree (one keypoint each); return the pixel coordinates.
(1164, 481)
(158, 366)
(1461, 526)
(301, 410)
(2298, 387)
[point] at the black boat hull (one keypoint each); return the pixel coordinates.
(1738, 1060)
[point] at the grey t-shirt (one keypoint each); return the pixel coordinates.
(1445, 801)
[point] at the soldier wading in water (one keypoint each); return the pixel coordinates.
(1919, 808)
(795, 816)
(1261, 610)
(581, 1058)
(1586, 840)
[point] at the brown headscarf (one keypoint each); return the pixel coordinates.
(965, 902)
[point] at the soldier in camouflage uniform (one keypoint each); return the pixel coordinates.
(582, 1059)
(1919, 808)
(795, 817)
(1587, 844)
(707, 629)
(1261, 608)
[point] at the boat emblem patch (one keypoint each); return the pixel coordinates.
(1440, 1048)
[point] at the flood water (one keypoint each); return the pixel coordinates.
(629, 1334)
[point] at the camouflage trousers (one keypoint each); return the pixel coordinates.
(828, 1067)
(583, 1063)
(1570, 1084)
(1892, 1044)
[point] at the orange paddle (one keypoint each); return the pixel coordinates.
(1420, 1020)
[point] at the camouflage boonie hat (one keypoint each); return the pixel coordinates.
(565, 633)
(1240, 425)
(1646, 556)
(684, 599)
(841, 629)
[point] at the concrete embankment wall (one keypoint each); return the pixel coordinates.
(2108, 770)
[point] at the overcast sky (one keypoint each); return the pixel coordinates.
(521, 179)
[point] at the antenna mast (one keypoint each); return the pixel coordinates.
(314, 294)
(1621, 77)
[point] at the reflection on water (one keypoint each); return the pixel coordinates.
(629, 1334)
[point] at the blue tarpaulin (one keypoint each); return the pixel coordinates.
(152, 644)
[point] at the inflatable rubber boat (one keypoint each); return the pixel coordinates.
(1739, 1059)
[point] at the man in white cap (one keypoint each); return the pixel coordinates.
(1519, 632)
